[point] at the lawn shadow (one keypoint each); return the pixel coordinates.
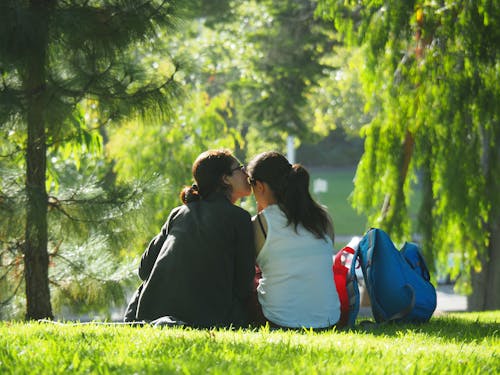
(450, 327)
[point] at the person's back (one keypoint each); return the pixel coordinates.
(199, 268)
(194, 276)
(296, 288)
(294, 243)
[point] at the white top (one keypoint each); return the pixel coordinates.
(297, 287)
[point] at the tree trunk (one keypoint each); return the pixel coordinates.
(36, 257)
(493, 279)
(486, 284)
(425, 218)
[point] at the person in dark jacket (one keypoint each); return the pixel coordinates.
(199, 269)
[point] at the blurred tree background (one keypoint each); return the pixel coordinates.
(105, 104)
(432, 69)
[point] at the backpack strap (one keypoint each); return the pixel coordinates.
(353, 289)
(370, 236)
(261, 226)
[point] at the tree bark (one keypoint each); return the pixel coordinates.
(425, 217)
(36, 257)
(486, 283)
(493, 279)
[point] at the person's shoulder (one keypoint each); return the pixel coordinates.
(274, 212)
(222, 205)
(239, 212)
(177, 210)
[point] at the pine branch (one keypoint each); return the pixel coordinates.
(7, 301)
(107, 91)
(97, 200)
(91, 263)
(12, 248)
(58, 204)
(154, 12)
(82, 269)
(8, 267)
(74, 135)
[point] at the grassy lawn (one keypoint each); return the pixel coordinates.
(340, 186)
(465, 343)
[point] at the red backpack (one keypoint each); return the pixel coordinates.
(346, 286)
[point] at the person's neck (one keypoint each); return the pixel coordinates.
(266, 203)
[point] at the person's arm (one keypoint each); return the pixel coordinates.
(151, 253)
(259, 224)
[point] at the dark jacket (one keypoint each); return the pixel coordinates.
(200, 267)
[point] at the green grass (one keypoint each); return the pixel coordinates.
(340, 185)
(466, 343)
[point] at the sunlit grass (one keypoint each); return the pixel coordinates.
(465, 343)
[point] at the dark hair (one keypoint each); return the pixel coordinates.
(208, 170)
(290, 185)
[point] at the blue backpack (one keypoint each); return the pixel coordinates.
(397, 281)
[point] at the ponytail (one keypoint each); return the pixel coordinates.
(190, 194)
(300, 207)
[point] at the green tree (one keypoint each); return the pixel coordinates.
(235, 61)
(198, 125)
(432, 72)
(336, 112)
(60, 60)
(289, 45)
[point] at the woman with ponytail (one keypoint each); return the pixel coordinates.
(294, 244)
(199, 268)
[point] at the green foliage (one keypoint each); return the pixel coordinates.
(429, 74)
(111, 86)
(458, 343)
(68, 70)
(91, 63)
(214, 12)
(338, 101)
(232, 66)
(89, 225)
(290, 43)
(267, 58)
(166, 153)
(88, 281)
